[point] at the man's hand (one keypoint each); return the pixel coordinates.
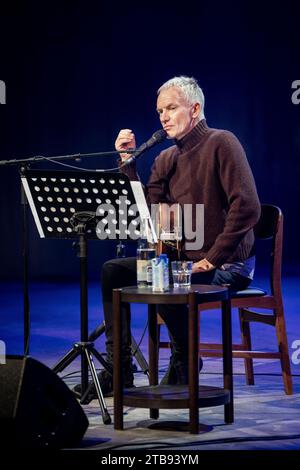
(125, 141)
(202, 266)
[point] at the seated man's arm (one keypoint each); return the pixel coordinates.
(243, 204)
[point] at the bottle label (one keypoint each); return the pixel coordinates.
(149, 275)
(142, 270)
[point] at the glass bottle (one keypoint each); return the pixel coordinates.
(146, 251)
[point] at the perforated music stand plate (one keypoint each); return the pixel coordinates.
(55, 196)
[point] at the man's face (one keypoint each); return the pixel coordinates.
(176, 115)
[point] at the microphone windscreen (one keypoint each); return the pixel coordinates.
(159, 135)
(156, 138)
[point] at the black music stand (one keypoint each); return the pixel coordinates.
(68, 204)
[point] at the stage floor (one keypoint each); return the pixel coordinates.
(265, 418)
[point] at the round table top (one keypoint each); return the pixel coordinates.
(203, 293)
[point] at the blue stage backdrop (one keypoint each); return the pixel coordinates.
(75, 74)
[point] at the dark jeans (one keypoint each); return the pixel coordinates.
(121, 272)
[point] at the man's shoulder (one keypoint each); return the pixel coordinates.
(222, 135)
(225, 143)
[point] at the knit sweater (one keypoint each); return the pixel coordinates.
(209, 166)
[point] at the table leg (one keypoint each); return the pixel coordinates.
(117, 372)
(227, 358)
(153, 352)
(193, 364)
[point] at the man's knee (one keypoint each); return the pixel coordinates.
(116, 272)
(108, 267)
(109, 273)
(118, 265)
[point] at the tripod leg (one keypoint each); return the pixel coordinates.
(105, 415)
(66, 360)
(106, 366)
(102, 361)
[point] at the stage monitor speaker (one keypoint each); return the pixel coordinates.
(37, 409)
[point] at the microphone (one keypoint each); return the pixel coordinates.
(158, 137)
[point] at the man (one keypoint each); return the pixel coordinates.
(204, 166)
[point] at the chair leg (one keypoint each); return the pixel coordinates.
(246, 341)
(284, 350)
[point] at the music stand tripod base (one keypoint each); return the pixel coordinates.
(86, 348)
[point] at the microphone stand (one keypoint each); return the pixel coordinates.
(76, 156)
(25, 257)
(23, 164)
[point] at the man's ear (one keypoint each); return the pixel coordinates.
(196, 110)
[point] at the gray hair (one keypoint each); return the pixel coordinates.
(189, 87)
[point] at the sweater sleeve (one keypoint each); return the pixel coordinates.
(129, 170)
(239, 187)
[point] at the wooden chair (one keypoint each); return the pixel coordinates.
(269, 227)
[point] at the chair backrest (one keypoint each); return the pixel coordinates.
(270, 226)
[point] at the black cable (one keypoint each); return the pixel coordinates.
(70, 374)
(140, 342)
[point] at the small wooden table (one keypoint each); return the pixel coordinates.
(192, 396)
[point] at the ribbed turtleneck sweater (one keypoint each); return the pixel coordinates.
(209, 166)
